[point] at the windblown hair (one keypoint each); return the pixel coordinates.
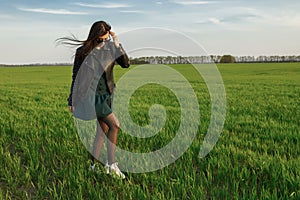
(98, 29)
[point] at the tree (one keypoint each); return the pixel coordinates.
(227, 59)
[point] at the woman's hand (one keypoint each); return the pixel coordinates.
(115, 38)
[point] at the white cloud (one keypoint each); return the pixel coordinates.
(212, 20)
(215, 20)
(195, 2)
(159, 3)
(259, 17)
(233, 16)
(285, 19)
(106, 5)
(133, 11)
(52, 11)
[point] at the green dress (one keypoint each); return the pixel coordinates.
(103, 99)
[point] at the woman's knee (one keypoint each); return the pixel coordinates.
(113, 122)
(116, 124)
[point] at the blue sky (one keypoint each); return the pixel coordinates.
(238, 27)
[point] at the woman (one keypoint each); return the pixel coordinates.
(93, 66)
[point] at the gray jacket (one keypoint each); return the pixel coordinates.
(86, 75)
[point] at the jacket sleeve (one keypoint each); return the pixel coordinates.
(76, 66)
(121, 57)
(84, 79)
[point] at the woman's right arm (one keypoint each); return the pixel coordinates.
(120, 54)
(121, 57)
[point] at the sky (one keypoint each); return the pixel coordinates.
(238, 27)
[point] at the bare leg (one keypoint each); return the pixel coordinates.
(113, 124)
(99, 139)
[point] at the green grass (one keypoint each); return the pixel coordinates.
(256, 157)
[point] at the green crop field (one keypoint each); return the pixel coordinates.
(256, 157)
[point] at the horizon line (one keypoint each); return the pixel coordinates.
(71, 63)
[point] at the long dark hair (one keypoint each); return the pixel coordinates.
(98, 29)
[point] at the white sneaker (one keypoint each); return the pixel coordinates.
(107, 167)
(92, 167)
(95, 168)
(114, 169)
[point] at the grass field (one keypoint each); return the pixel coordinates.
(257, 155)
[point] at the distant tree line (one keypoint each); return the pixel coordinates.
(36, 65)
(212, 59)
(186, 60)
